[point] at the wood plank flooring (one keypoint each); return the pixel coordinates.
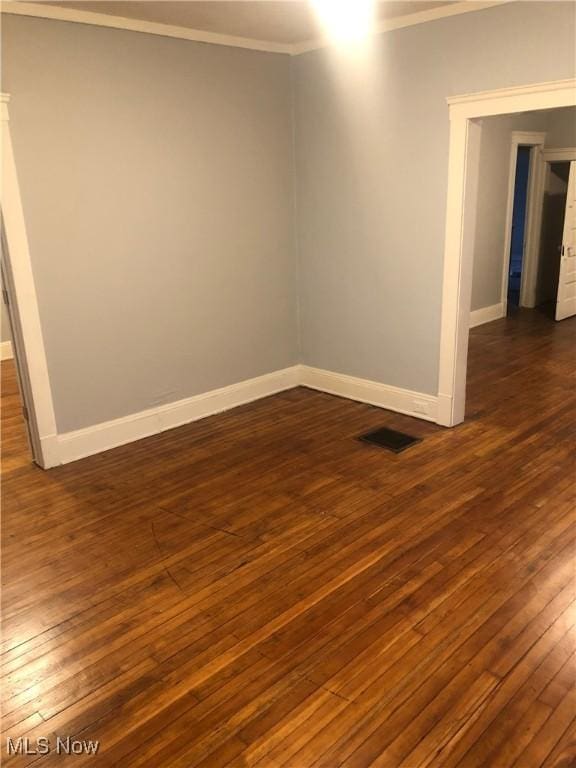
(261, 589)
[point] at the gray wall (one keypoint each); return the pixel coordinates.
(157, 178)
(561, 128)
(372, 177)
(493, 201)
(157, 181)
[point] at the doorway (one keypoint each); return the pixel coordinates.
(519, 214)
(27, 339)
(553, 215)
(14, 373)
(556, 286)
(465, 113)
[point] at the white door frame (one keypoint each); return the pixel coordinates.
(566, 304)
(28, 340)
(463, 171)
(563, 155)
(547, 156)
(536, 142)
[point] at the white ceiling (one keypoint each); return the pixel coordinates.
(277, 21)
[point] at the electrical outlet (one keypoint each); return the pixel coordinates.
(421, 406)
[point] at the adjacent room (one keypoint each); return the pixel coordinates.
(288, 365)
(523, 208)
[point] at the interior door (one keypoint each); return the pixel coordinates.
(566, 298)
(19, 359)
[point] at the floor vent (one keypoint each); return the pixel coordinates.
(390, 439)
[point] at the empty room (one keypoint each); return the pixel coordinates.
(288, 383)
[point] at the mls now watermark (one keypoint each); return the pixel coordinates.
(43, 745)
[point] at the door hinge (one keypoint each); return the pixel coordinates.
(5, 297)
(25, 413)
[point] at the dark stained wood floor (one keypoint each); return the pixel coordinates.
(260, 589)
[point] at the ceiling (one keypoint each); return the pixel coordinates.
(288, 22)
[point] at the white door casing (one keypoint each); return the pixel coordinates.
(458, 254)
(28, 339)
(566, 298)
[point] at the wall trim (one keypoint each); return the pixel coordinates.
(463, 169)
(111, 434)
(487, 314)
(71, 446)
(495, 96)
(408, 20)
(27, 337)
(6, 352)
(528, 138)
(564, 155)
(544, 158)
(405, 401)
(57, 13)
(536, 141)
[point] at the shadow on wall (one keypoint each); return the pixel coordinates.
(553, 213)
(5, 334)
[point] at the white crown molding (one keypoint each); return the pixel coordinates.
(74, 15)
(57, 13)
(409, 20)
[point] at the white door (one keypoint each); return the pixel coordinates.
(566, 299)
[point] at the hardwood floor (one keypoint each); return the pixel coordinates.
(261, 589)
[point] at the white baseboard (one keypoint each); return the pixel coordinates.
(72, 446)
(405, 401)
(487, 314)
(50, 451)
(6, 352)
(110, 434)
(444, 415)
